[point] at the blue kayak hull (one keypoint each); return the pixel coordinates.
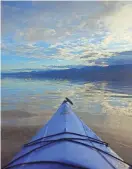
(66, 142)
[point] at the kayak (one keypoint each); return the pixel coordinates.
(66, 142)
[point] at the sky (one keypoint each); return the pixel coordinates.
(39, 35)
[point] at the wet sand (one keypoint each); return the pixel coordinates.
(13, 137)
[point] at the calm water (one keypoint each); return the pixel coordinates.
(107, 106)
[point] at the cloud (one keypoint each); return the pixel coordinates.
(35, 34)
(119, 25)
(80, 31)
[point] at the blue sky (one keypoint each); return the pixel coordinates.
(38, 35)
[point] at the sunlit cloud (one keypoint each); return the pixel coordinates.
(83, 31)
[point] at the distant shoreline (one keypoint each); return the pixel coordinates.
(114, 73)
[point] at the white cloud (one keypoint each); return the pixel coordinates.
(119, 25)
(83, 31)
(35, 34)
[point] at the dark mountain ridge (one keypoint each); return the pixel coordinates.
(86, 73)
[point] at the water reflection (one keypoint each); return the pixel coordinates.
(99, 103)
(105, 107)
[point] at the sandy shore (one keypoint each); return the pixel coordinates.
(14, 136)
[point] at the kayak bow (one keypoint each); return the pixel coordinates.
(66, 142)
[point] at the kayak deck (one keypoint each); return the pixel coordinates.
(66, 142)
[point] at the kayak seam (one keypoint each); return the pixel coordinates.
(64, 114)
(96, 147)
(46, 162)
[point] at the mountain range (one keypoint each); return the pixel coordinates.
(86, 73)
